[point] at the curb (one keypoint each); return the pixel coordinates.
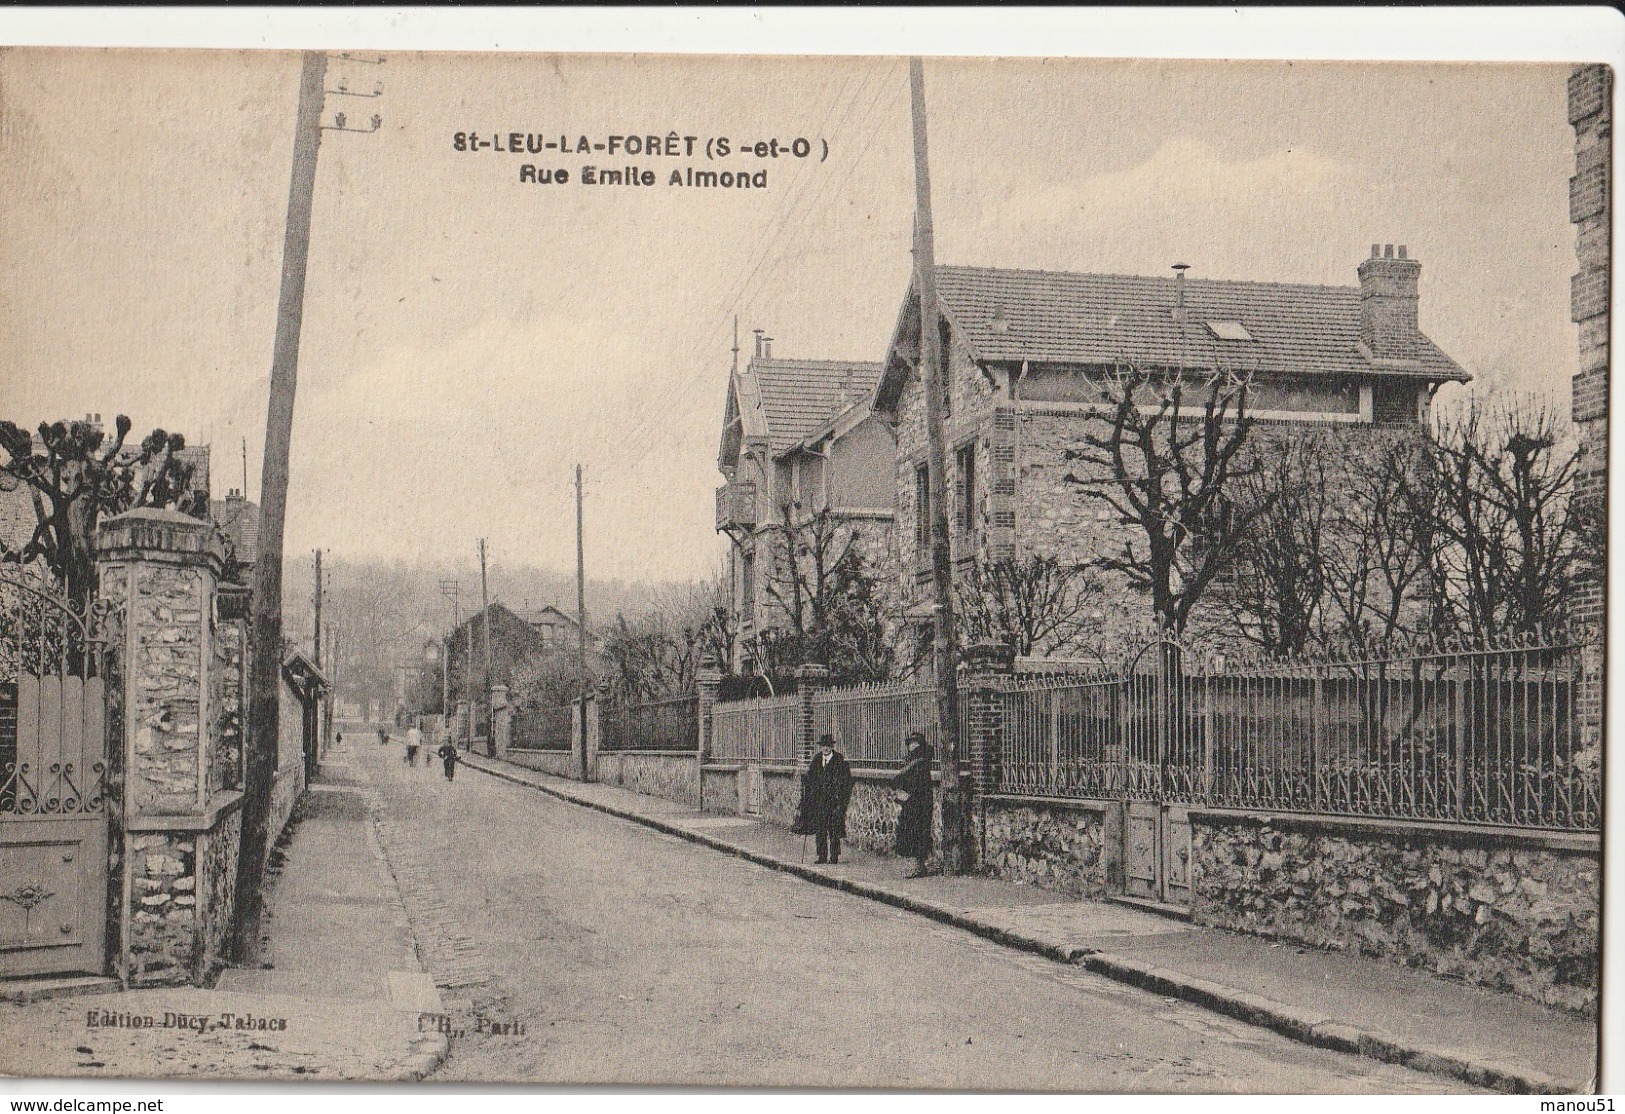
(430, 1050)
(1310, 1028)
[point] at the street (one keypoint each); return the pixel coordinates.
(574, 947)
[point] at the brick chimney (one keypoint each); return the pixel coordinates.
(1388, 303)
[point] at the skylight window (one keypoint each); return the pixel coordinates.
(1229, 330)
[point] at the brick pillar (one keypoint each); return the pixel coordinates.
(501, 722)
(1591, 115)
(707, 683)
(810, 681)
(985, 669)
(1004, 481)
(181, 823)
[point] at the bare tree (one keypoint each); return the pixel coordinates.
(833, 610)
(1039, 605)
(1338, 546)
(1380, 582)
(1512, 536)
(1170, 470)
(75, 478)
(1276, 590)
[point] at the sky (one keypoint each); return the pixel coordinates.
(468, 338)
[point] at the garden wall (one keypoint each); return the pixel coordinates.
(676, 777)
(1509, 911)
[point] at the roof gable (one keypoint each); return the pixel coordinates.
(1090, 319)
(798, 397)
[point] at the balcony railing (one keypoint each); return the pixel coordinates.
(736, 506)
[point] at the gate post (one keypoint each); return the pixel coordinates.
(810, 681)
(707, 685)
(180, 796)
(986, 667)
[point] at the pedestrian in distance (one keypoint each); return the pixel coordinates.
(383, 737)
(914, 789)
(826, 790)
(414, 740)
(448, 755)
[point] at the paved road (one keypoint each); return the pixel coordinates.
(633, 957)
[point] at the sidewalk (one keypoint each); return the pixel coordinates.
(341, 995)
(1345, 1002)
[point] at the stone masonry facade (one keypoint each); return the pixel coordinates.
(177, 739)
(1028, 499)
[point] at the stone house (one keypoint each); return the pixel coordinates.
(520, 643)
(805, 461)
(1024, 351)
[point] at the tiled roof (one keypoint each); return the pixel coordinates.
(799, 396)
(239, 520)
(1082, 318)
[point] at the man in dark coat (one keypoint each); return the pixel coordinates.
(826, 790)
(914, 788)
(448, 755)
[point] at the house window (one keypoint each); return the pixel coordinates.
(945, 350)
(747, 588)
(965, 490)
(922, 513)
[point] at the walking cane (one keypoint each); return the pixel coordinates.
(803, 848)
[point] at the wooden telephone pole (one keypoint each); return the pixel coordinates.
(265, 643)
(581, 626)
(485, 626)
(956, 820)
(316, 640)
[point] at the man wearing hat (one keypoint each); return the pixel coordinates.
(826, 789)
(914, 789)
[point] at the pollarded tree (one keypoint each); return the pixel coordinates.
(1038, 605)
(1511, 558)
(1276, 589)
(1170, 467)
(75, 477)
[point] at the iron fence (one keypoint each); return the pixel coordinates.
(766, 729)
(1493, 736)
(672, 724)
(871, 722)
(544, 728)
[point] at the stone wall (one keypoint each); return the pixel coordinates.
(165, 690)
(227, 688)
(719, 789)
(163, 942)
(1517, 915)
(559, 763)
(289, 782)
(218, 882)
(871, 817)
(672, 776)
(1070, 848)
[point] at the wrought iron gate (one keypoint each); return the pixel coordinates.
(1162, 756)
(53, 780)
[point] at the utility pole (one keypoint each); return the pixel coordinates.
(485, 626)
(451, 590)
(316, 641)
(468, 683)
(265, 645)
(581, 625)
(956, 826)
